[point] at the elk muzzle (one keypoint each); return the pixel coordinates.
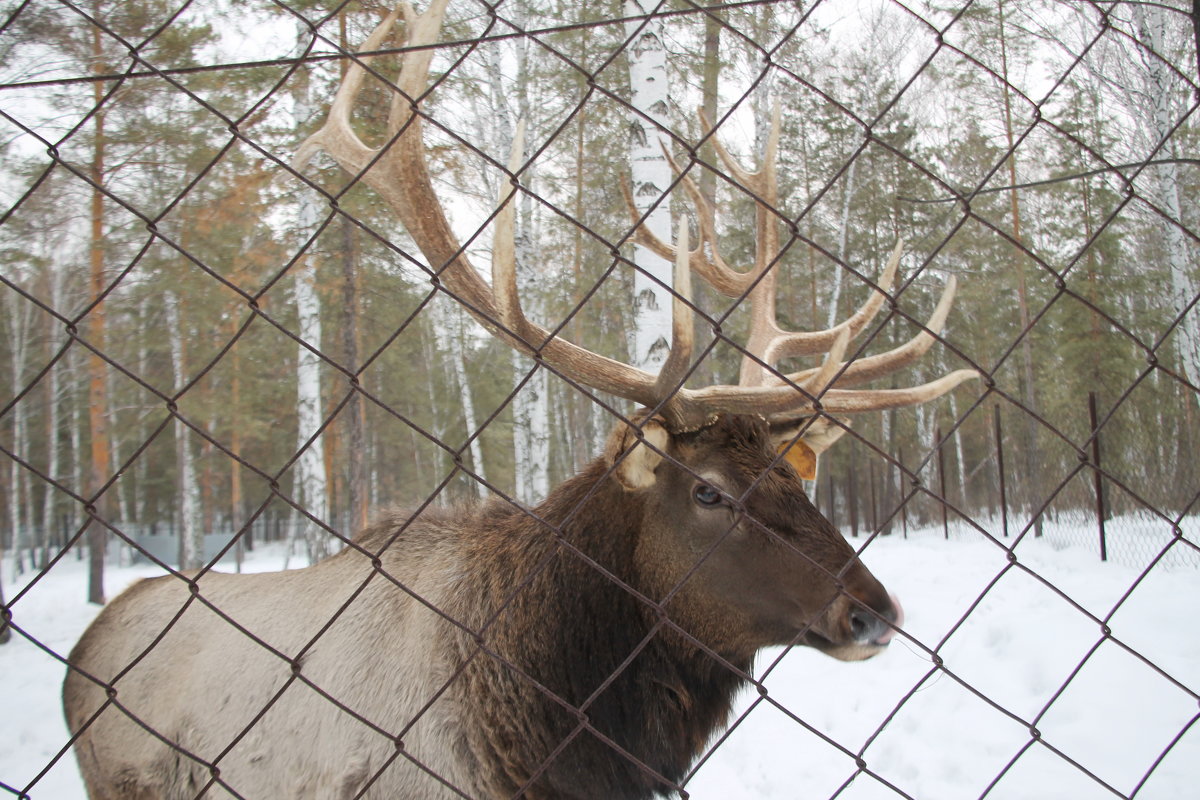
(860, 623)
(868, 627)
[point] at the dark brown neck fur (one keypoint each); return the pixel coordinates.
(570, 628)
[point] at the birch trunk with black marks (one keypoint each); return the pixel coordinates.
(191, 534)
(311, 482)
(651, 176)
(1151, 22)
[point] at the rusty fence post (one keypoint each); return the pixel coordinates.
(1097, 478)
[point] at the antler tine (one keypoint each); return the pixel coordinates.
(762, 180)
(803, 343)
(336, 136)
(858, 401)
(712, 269)
(786, 402)
(821, 377)
(674, 369)
(872, 367)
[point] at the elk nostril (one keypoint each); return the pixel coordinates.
(864, 626)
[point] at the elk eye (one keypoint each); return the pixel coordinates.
(706, 495)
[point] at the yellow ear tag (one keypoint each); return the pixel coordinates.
(802, 458)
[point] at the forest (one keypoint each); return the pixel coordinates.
(202, 337)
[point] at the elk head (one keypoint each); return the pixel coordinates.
(748, 521)
(735, 551)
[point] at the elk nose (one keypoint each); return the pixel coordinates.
(876, 627)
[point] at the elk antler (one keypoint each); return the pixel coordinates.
(399, 174)
(768, 343)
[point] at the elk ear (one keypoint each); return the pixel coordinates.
(636, 451)
(819, 434)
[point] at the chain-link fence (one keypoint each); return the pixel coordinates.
(249, 314)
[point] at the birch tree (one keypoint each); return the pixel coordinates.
(448, 334)
(650, 178)
(310, 480)
(19, 318)
(191, 534)
(1158, 99)
(310, 477)
(96, 39)
(531, 409)
(54, 398)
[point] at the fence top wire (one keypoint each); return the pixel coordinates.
(201, 335)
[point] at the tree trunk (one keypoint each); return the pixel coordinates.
(142, 465)
(429, 349)
(580, 410)
(53, 421)
(190, 532)
(20, 509)
(651, 176)
(531, 420)
(356, 455)
(839, 274)
(75, 358)
(449, 334)
(236, 512)
(310, 465)
(958, 456)
(119, 490)
(311, 480)
(1151, 22)
(710, 88)
(5, 633)
(97, 394)
(356, 467)
(1028, 394)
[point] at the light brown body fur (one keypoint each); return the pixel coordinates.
(482, 643)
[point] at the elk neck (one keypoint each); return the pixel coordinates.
(591, 643)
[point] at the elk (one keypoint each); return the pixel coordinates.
(588, 647)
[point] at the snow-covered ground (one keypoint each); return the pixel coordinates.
(1021, 643)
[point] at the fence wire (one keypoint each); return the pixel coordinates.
(218, 355)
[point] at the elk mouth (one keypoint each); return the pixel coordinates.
(843, 652)
(867, 632)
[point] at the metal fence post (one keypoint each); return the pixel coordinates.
(874, 503)
(1097, 478)
(1000, 470)
(831, 499)
(852, 500)
(941, 459)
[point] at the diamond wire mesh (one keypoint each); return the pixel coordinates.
(1095, 192)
